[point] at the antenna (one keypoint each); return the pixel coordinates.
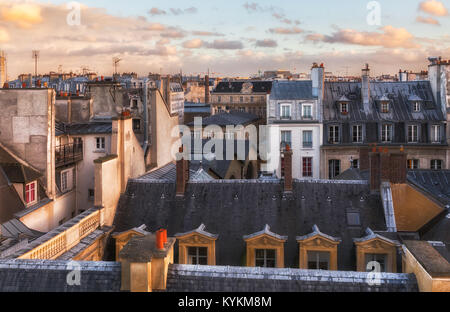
(116, 61)
(35, 56)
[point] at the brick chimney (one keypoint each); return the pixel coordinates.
(365, 88)
(288, 169)
(386, 166)
(206, 89)
(182, 174)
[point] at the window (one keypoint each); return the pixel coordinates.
(412, 134)
(219, 109)
(100, 143)
(198, 255)
(241, 99)
(386, 133)
(355, 163)
(91, 195)
(285, 111)
(66, 180)
(385, 107)
(435, 134)
(436, 164)
(31, 192)
(285, 139)
(251, 99)
(307, 167)
(357, 134)
(318, 260)
(307, 111)
(334, 134)
(265, 258)
(231, 99)
(219, 99)
(136, 124)
(307, 139)
(380, 258)
(416, 107)
(353, 219)
(242, 109)
(413, 163)
(134, 103)
(344, 108)
(334, 168)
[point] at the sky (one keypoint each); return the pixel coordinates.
(233, 38)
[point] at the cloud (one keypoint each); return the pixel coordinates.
(428, 20)
(433, 7)
(282, 18)
(156, 11)
(174, 33)
(156, 27)
(286, 31)
(253, 7)
(193, 44)
(266, 43)
(4, 36)
(206, 33)
(177, 11)
(389, 37)
(23, 15)
(225, 45)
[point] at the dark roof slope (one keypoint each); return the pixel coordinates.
(234, 118)
(236, 86)
(435, 182)
(97, 127)
(236, 208)
(399, 93)
(51, 276)
(188, 278)
(292, 90)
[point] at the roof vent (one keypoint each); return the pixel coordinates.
(328, 198)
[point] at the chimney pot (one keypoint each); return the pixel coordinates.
(160, 239)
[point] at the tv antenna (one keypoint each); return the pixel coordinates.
(35, 56)
(116, 61)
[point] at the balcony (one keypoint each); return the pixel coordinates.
(68, 154)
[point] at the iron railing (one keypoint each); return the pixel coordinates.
(68, 154)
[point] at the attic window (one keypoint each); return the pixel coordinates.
(416, 106)
(353, 219)
(344, 108)
(385, 107)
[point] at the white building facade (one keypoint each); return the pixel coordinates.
(295, 119)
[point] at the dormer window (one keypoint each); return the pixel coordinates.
(31, 193)
(344, 108)
(385, 107)
(285, 111)
(416, 106)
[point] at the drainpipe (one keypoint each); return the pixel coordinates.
(145, 117)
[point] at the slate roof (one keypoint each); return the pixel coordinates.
(292, 90)
(234, 208)
(224, 119)
(51, 276)
(14, 228)
(96, 127)
(435, 182)
(236, 86)
(400, 105)
(191, 278)
(169, 173)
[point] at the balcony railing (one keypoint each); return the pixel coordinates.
(68, 154)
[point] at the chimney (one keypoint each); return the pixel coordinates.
(364, 158)
(386, 166)
(182, 174)
(206, 89)
(317, 77)
(166, 89)
(365, 88)
(288, 169)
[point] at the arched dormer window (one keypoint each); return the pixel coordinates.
(344, 105)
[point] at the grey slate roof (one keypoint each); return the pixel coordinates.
(435, 182)
(398, 92)
(267, 231)
(236, 86)
(199, 230)
(190, 278)
(236, 208)
(51, 276)
(224, 119)
(97, 127)
(292, 90)
(315, 232)
(371, 235)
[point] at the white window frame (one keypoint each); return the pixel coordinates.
(434, 162)
(67, 182)
(359, 134)
(416, 106)
(414, 134)
(100, 143)
(385, 111)
(335, 138)
(304, 106)
(436, 134)
(282, 106)
(266, 258)
(386, 133)
(344, 105)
